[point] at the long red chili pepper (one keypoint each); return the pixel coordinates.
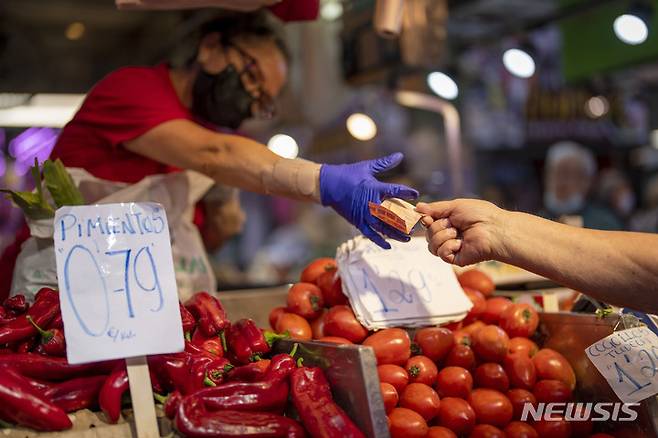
(251, 372)
(212, 345)
(217, 371)
(208, 311)
(247, 342)
(44, 310)
(194, 421)
(57, 322)
(312, 398)
(187, 320)
(5, 316)
(16, 305)
(75, 394)
(171, 404)
(22, 404)
(52, 341)
(53, 368)
(111, 392)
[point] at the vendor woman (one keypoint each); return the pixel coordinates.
(141, 121)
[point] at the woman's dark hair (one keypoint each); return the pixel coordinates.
(232, 26)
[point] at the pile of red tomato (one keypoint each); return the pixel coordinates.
(469, 379)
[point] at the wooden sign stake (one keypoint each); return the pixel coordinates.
(141, 393)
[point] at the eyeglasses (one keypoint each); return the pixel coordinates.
(254, 78)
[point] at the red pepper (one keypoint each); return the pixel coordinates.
(58, 322)
(75, 394)
(112, 391)
(188, 321)
(156, 382)
(23, 405)
(5, 316)
(53, 368)
(27, 345)
(312, 398)
(171, 404)
(208, 311)
(16, 305)
(194, 421)
(212, 345)
(217, 371)
(249, 343)
(251, 372)
(44, 310)
(53, 341)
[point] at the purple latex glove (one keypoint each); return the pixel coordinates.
(347, 188)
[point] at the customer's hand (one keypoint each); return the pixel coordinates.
(348, 188)
(464, 231)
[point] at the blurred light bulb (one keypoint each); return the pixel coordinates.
(443, 85)
(283, 145)
(519, 63)
(75, 31)
(331, 10)
(631, 29)
(597, 106)
(361, 126)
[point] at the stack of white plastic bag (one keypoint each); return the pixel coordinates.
(405, 286)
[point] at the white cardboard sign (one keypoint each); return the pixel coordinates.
(628, 359)
(116, 279)
(403, 286)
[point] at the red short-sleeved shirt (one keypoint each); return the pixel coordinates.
(122, 106)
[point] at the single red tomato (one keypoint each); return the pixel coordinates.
(553, 428)
(495, 308)
(519, 398)
(440, 432)
(317, 325)
(340, 321)
(491, 407)
(491, 375)
(460, 356)
(295, 325)
(520, 370)
(479, 305)
(434, 342)
(335, 340)
(316, 268)
(395, 375)
(421, 369)
(275, 314)
(581, 428)
(422, 399)
(452, 326)
(457, 415)
(305, 300)
(552, 391)
(517, 429)
(523, 345)
(331, 286)
(478, 280)
(392, 346)
(406, 423)
(486, 431)
(473, 327)
(551, 365)
(389, 395)
(519, 320)
(454, 382)
(490, 343)
(463, 338)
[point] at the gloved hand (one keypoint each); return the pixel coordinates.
(347, 188)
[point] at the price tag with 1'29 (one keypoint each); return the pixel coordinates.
(117, 288)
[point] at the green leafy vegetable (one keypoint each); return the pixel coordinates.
(60, 184)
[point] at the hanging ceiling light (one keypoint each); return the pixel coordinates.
(632, 27)
(331, 10)
(283, 145)
(519, 62)
(361, 126)
(597, 106)
(443, 85)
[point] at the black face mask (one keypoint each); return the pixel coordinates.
(221, 98)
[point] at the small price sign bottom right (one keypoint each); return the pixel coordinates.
(628, 359)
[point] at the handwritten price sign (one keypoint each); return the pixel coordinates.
(116, 278)
(628, 359)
